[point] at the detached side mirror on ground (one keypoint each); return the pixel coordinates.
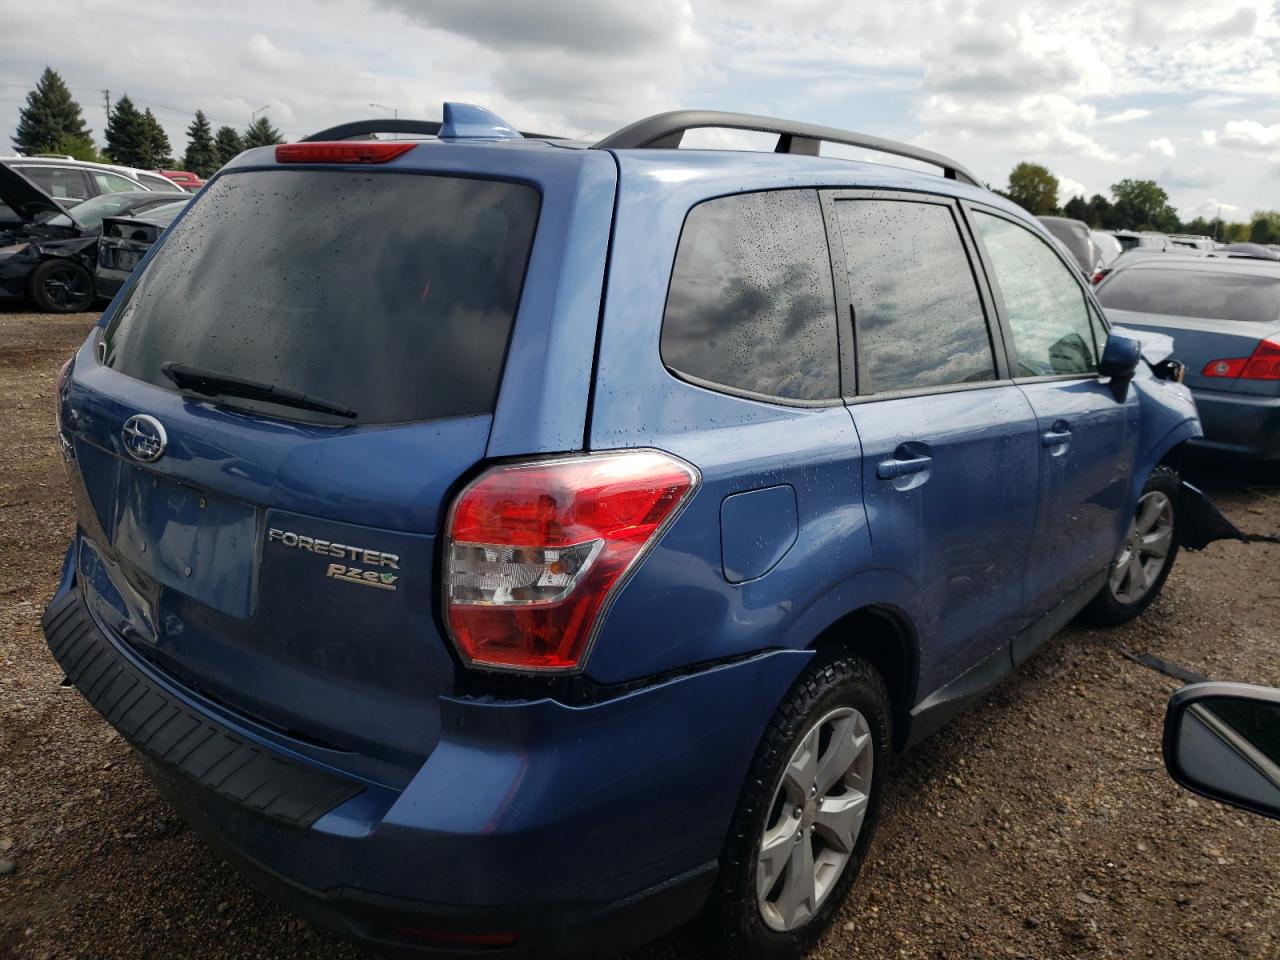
(1120, 356)
(1222, 741)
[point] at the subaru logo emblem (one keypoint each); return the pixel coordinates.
(144, 438)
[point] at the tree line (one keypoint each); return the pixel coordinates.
(1133, 205)
(52, 122)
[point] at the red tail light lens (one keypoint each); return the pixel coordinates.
(1262, 364)
(343, 151)
(536, 552)
(1098, 277)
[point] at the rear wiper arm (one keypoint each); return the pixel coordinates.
(210, 383)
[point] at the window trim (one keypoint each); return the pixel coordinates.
(840, 274)
(969, 208)
(724, 388)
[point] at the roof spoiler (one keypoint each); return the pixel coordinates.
(462, 121)
(666, 130)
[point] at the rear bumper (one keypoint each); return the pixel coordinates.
(576, 831)
(1239, 424)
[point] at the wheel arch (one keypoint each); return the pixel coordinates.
(884, 636)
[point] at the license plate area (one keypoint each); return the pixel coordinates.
(202, 546)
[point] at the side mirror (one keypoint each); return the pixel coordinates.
(1120, 357)
(1222, 741)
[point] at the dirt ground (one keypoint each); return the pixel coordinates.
(1040, 825)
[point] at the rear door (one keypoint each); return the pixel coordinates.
(1086, 438)
(281, 560)
(948, 442)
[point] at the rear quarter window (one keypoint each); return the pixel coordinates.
(751, 305)
(1194, 293)
(391, 294)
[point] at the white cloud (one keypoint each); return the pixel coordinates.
(1068, 188)
(1246, 136)
(1162, 146)
(1126, 116)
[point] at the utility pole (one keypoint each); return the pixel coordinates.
(106, 99)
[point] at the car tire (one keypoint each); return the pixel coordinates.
(749, 916)
(1119, 600)
(61, 286)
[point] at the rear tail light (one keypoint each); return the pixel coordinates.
(536, 552)
(1098, 276)
(1262, 364)
(60, 398)
(343, 151)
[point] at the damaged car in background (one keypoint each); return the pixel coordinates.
(48, 255)
(125, 240)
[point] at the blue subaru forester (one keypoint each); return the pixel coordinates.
(494, 544)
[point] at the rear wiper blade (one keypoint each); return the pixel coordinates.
(210, 383)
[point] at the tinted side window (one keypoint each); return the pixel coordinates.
(111, 183)
(1047, 310)
(916, 308)
(61, 183)
(751, 303)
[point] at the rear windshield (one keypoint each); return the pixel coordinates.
(1193, 293)
(390, 294)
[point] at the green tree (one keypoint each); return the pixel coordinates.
(201, 157)
(1143, 205)
(1034, 188)
(128, 138)
(1265, 227)
(77, 147)
(1235, 232)
(50, 119)
(1077, 208)
(158, 152)
(261, 133)
(1200, 227)
(227, 144)
(1101, 213)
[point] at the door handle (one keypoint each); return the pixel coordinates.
(890, 469)
(1056, 435)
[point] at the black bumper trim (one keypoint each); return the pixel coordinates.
(170, 733)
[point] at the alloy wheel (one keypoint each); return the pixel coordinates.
(1145, 549)
(66, 287)
(815, 819)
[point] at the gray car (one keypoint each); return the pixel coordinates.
(1224, 317)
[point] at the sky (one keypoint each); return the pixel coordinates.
(1186, 92)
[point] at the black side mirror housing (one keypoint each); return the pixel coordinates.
(1222, 741)
(1120, 358)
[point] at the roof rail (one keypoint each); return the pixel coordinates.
(364, 129)
(666, 130)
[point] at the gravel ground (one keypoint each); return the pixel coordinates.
(1041, 824)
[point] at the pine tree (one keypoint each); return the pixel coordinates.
(261, 134)
(159, 153)
(51, 117)
(227, 144)
(202, 154)
(128, 139)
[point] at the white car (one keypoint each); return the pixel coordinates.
(70, 181)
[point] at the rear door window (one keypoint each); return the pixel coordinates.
(751, 304)
(390, 294)
(1046, 308)
(61, 183)
(917, 313)
(1194, 293)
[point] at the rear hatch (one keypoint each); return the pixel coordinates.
(279, 557)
